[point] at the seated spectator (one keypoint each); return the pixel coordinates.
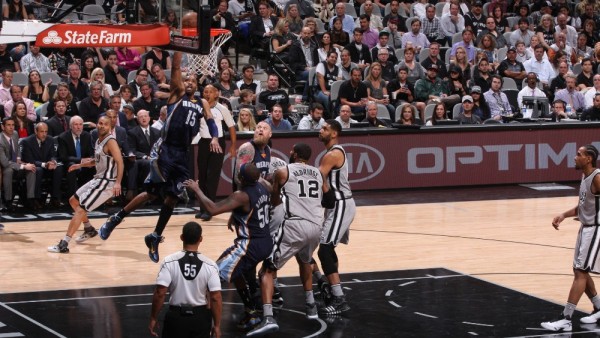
(482, 76)
(292, 17)
(314, 120)
(585, 78)
(262, 27)
(79, 89)
(569, 31)
(480, 107)
(127, 97)
(60, 59)
(339, 38)
(128, 58)
(558, 111)
(434, 58)
(23, 125)
(129, 113)
(415, 38)
(408, 114)
(431, 89)
(374, 20)
(7, 62)
(432, 27)
(140, 141)
(347, 20)
(394, 14)
(487, 45)
(540, 66)
(58, 123)
(560, 45)
(590, 32)
(571, 95)
(325, 47)
(353, 93)
(147, 102)
(16, 95)
(359, 52)
(439, 113)
(591, 93)
(592, 113)
(582, 50)
(87, 67)
(246, 96)
(370, 35)
(530, 90)
(387, 67)
(157, 55)
(402, 91)
(395, 38)
(376, 88)
(496, 11)
(492, 30)
(281, 40)
(37, 10)
(545, 31)
(221, 18)
(461, 60)
(345, 118)
(276, 120)
(383, 44)
(14, 11)
(560, 81)
(497, 100)
(457, 87)
(248, 81)
(35, 90)
(512, 68)
(99, 76)
(114, 75)
(323, 10)
(34, 60)
(13, 166)
(226, 85)
(163, 87)
(347, 65)
(522, 34)
(246, 120)
(162, 118)
(40, 150)
(75, 147)
(452, 23)
(273, 94)
(91, 107)
(467, 115)
(327, 72)
(371, 117)
(523, 53)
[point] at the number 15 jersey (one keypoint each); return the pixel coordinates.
(302, 193)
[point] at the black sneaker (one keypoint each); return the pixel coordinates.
(203, 215)
(268, 325)
(108, 226)
(61, 247)
(337, 306)
(250, 320)
(325, 291)
(152, 242)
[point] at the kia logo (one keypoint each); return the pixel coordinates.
(364, 162)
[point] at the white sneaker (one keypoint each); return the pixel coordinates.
(562, 324)
(592, 318)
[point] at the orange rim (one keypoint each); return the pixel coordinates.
(192, 32)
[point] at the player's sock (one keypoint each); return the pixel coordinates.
(596, 301)
(336, 290)
(87, 226)
(569, 309)
(67, 239)
(122, 213)
(163, 218)
(268, 310)
(310, 297)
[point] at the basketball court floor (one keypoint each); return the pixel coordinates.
(452, 262)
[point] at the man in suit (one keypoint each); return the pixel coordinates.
(13, 166)
(69, 153)
(40, 150)
(141, 138)
(59, 123)
(262, 27)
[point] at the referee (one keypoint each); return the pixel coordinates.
(190, 277)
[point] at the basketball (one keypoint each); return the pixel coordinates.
(189, 20)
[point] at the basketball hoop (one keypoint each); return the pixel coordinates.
(206, 64)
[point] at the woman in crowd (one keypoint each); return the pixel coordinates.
(408, 114)
(439, 113)
(480, 107)
(324, 10)
(63, 93)
(14, 10)
(339, 37)
(35, 90)
(376, 88)
(225, 64)
(22, 124)
(415, 70)
(98, 75)
(495, 11)
(462, 61)
(227, 85)
(126, 95)
(589, 29)
(326, 47)
(456, 83)
(87, 67)
(281, 40)
(487, 45)
(535, 40)
(545, 31)
(294, 20)
(171, 20)
(245, 121)
(311, 23)
(159, 56)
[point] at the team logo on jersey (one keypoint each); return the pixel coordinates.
(364, 162)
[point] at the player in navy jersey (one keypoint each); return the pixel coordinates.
(169, 166)
(256, 151)
(249, 208)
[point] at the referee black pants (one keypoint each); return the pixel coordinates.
(209, 167)
(178, 325)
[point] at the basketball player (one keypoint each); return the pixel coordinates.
(336, 228)
(249, 208)
(302, 189)
(586, 258)
(169, 164)
(190, 277)
(105, 184)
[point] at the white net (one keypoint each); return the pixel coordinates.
(207, 64)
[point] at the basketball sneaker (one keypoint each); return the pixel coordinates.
(108, 226)
(61, 247)
(277, 296)
(311, 311)
(268, 325)
(250, 320)
(152, 242)
(337, 306)
(87, 234)
(562, 324)
(592, 318)
(325, 290)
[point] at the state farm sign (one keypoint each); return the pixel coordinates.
(74, 35)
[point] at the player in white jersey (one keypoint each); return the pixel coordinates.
(105, 184)
(336, 228)
(586, 258)
(300, 188)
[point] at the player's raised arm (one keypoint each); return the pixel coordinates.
(177, 88)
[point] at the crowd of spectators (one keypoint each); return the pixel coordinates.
(372, 61)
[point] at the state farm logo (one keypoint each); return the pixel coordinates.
(52, 38)
(364, 162)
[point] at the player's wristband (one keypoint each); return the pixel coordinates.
(212, 128)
